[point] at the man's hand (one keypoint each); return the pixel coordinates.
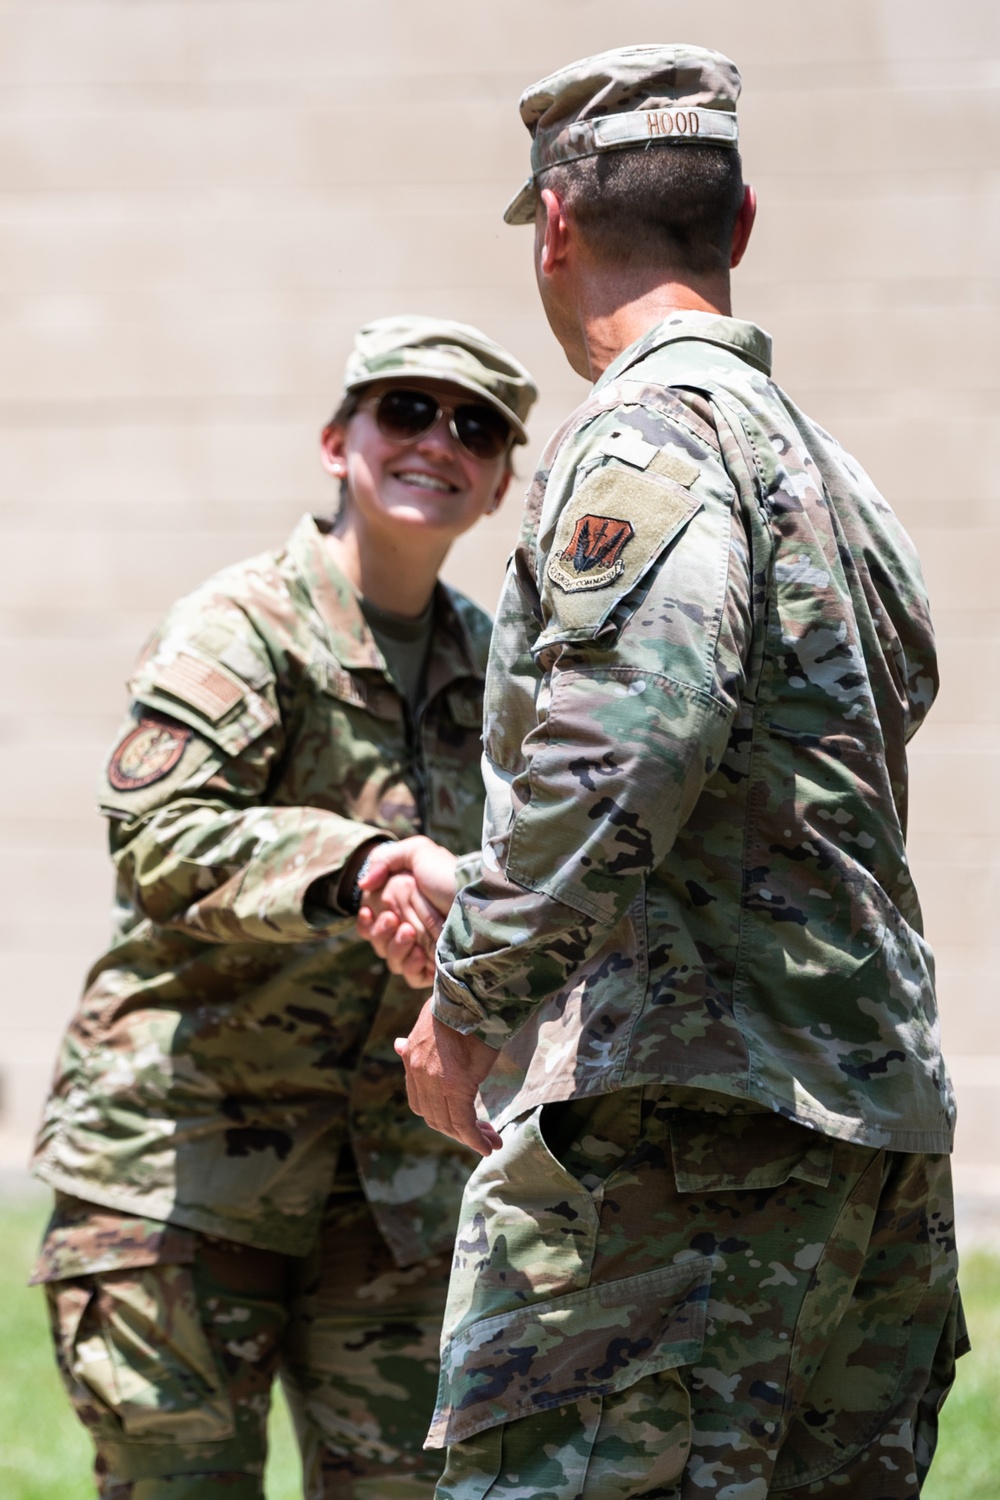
(444, 1069)
(432, 867)
(408, 887)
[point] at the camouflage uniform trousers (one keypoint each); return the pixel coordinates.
(170, 1365)
(654, 1299)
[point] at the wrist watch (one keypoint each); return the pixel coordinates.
(351, 903)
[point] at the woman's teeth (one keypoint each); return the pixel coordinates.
(424, 481)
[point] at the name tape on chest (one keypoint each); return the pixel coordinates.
(371, 695)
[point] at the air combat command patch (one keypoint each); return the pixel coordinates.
(593, 557)
(147, 753)
(615, 524)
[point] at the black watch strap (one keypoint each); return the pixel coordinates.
(351, 903)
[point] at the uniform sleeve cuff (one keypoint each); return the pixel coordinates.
(467, 1016)
(320, 905)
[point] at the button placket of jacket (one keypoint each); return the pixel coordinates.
(417, 759)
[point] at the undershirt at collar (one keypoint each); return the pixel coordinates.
(404, 642)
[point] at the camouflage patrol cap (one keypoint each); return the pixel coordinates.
(631, 97)
(438, 349)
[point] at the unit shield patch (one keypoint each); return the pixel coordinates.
(593, 557)
(615, 523)
(147, 753)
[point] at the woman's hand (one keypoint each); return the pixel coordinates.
(408, 887)
(402, 928)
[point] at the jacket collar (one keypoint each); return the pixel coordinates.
(746, 340)
(348, 637)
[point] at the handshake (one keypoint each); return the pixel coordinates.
(406, 890)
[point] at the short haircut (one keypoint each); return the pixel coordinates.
(662, 205)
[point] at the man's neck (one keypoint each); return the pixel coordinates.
(612, 314)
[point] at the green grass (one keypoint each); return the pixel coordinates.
(44, 1452)
(967, 1465)
(45, 1455)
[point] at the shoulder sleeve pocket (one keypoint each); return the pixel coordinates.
(615, 525)
(190, 714)
(205, 695)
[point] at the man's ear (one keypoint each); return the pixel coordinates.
(743, 226)
(331, 450)
(555, 230)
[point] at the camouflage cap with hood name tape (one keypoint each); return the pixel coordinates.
(412, 346)
(626, 99)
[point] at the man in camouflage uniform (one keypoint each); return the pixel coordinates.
(241, 1187)
(710, 1254)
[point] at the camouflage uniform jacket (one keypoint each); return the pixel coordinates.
(712, 647)
(236, 1029)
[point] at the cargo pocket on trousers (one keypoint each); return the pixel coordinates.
(137, 1359)
(585, 1344)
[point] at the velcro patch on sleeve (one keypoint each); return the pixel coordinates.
(613, 526)
(147, 753)
(629, 446)
(675, 466)
(198, 683)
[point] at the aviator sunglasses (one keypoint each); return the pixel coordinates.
(403, 415)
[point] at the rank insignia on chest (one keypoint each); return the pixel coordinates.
(593, 557)
(147, 753)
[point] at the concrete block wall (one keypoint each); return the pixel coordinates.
(199, 202)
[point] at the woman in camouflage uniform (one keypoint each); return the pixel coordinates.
(241, 1189)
